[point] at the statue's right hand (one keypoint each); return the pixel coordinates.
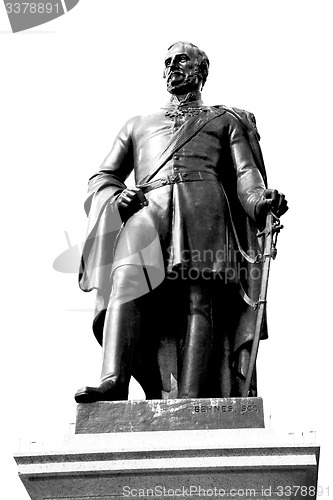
(129, 201)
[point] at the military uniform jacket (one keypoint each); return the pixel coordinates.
(186, 225)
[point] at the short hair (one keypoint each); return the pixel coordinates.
(202, 59)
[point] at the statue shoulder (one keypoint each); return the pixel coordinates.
(130, 126)
(141, 122)
(246, 118)
(134, 121)
(141, 119)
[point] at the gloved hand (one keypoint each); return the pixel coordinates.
(129, 201)
(271, 200)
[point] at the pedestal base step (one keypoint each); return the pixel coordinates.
(232, 464)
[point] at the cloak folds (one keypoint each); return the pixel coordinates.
(163, 308)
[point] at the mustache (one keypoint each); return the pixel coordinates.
(171, 72)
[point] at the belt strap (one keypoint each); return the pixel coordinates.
(177, 178)
(253, 303)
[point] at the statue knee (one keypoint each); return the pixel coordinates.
(128, 283)
(200, 299)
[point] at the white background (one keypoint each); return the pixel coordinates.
(66, 89)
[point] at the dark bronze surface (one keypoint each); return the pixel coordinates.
(168, 281)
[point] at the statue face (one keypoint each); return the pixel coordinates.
(181, 71)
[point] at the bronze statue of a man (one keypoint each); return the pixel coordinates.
(177, 282)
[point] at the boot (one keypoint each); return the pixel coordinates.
(240, 371)
(104, 392)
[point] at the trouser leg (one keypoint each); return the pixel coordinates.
(121, 330)
(122, 326)
(198, 341)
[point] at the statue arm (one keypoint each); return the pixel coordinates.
(104, 188)
(250, 183)
(109, 181)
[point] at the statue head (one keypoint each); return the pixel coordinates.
(186, 68)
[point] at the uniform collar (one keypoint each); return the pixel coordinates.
(192, 98)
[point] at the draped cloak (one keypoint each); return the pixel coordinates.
(187, 229)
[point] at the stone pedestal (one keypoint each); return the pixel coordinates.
(169, 415)
(198, 463)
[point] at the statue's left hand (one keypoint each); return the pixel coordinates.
(272, 201)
